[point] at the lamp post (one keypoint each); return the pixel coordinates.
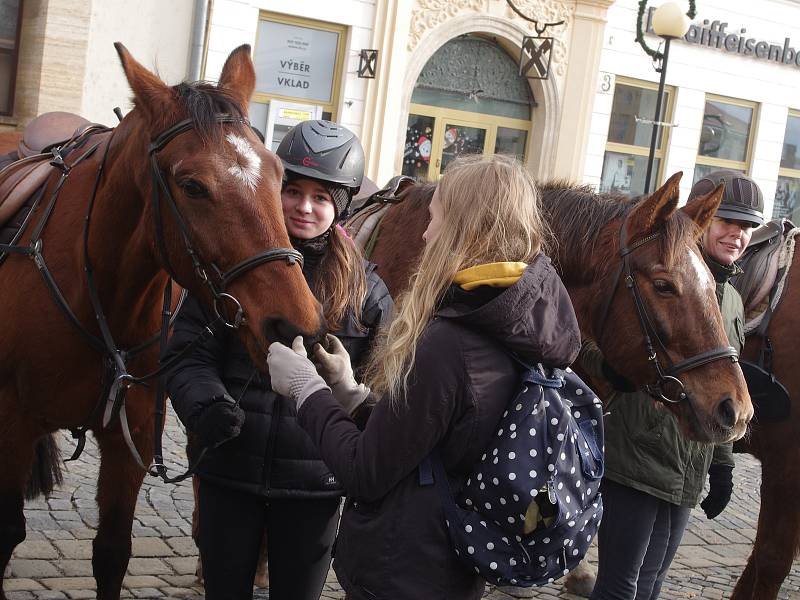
(669, 22)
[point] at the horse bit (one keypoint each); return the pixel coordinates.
(664, 377)
(116, 378)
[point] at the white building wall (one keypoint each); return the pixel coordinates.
(695, 70)
(158, 35)
(234, 22)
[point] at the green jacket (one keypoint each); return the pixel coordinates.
(644, 447)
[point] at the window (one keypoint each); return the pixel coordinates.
(787, 191)
(726, 137)
(10, 21)
(628, 145)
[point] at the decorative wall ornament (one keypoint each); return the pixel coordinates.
(367, 63)
(429, 14)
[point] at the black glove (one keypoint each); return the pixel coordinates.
(218, 423)
(720, 488)
(617, 381)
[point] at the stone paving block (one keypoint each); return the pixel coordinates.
(182, 581)
(21, 584)
(74, 548)
(83, 533)
(81, 594)
(150, 546)
(147, 593)
(35, 569)
(70, 583)
(183, 565)
(72, 567)
(142, 581)
(49, 595)
(148, 566)
(169, 531)
(35, 549)
(183, 546)
(21, 596)
(65, 515)
(59, 534)
(177, 592)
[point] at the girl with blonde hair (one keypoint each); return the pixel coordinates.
(484, 292)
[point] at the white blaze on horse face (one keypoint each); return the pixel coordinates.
(247, 169)
(700, 269)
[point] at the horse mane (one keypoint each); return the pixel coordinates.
(203, 102)
(577, 216)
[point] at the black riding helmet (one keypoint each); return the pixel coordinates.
(742, 199)
(327, 152)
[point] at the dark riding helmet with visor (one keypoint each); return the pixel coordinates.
(326, 152)
(742, 199)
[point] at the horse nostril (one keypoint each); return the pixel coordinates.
(280, 330)
(726, 414)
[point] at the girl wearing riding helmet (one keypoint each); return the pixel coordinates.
(260, 471)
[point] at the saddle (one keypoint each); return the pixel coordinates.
(39, 157)
(765, 265)
(760, 263)
(363, 226)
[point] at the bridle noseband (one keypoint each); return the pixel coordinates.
(221, 279)
(664, 377)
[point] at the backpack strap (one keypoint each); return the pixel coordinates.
(431, 472)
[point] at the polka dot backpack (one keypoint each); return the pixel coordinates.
(532, 505)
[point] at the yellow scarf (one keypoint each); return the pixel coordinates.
(499, 274)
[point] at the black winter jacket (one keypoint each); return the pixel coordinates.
(392, 542)
(272, 456)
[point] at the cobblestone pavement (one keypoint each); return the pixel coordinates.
(54, 561)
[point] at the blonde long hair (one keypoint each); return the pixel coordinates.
(490, 208)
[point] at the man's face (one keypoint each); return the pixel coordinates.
(725, 241)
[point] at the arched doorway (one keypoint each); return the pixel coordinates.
(468, 99)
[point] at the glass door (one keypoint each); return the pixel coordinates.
(459, 139)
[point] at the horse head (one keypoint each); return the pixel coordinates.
(653, 310)
(213, 210)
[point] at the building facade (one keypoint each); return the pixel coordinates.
(450, 77)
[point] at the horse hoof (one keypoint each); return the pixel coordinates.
(580, 581)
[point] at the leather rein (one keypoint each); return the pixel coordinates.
(665, 378)
(116, 378)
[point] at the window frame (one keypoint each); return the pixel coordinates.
(786, 171)
(14, 53)
(724, 163)
(490, 123)
(338, 68)
(666, 132)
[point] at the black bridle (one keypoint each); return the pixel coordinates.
(116, 379)
(665, 377)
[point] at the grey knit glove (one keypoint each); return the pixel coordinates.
(292, 374)
(335, 368)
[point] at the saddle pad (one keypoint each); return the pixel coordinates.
(362, 225)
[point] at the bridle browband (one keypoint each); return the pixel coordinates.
(664, 377)
(116, 377)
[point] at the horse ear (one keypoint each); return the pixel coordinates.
(702, 209)
(655, 209)
(150, 93)
(238, 76)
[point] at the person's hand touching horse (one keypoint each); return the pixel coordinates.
(292, 374)
(335, 368)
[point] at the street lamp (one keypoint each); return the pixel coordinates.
(669, 22)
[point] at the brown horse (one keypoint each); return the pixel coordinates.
(776, 445)
(205, 206)
(673, 282)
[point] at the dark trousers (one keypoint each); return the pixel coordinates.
(300, 534)
(637, 541)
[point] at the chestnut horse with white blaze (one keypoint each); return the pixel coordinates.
(603, 242)
(183, 188)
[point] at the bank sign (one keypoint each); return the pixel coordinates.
(295, 61)
(715, 34)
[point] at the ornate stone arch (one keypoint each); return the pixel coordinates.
(509, 35)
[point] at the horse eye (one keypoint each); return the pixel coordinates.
(664, 287)
(193, 189)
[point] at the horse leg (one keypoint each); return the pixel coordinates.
(16, 440)
(117, 489)
(778, 534)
